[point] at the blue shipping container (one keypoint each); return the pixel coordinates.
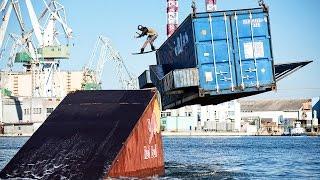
(231, 50)
(144, 80)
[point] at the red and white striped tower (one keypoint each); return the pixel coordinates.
(172, 16)
(211, 5)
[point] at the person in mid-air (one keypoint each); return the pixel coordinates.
(152, 36)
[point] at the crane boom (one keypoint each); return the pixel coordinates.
(35, 23)
(57, 16)
(16, 7)
(113, 55)
(3, 5)
(104, 51)
(4, 24)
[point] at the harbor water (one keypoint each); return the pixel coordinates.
(225, 157)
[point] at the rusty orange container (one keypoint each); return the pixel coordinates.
(142, 153)
(94, 135)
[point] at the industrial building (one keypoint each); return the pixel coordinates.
(64, 82)
(275, 117)
(222, 117)
(252, 117)
(24, 115)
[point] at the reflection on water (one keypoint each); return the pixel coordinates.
(225, 157)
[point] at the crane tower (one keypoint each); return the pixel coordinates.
(102, 53)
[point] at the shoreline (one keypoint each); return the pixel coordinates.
(190, 133)
(201, 133)
(14, 135)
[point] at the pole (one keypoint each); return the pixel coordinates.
(172, 16)
(211, 5)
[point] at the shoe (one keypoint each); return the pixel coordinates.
(153, 48)
(141, 50)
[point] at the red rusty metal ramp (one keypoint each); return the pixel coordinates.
(93, 135)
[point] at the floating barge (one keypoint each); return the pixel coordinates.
(94, 135)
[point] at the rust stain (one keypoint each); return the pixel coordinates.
(142, 153)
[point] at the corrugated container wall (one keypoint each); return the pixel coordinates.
(231, 49)
(230, 52)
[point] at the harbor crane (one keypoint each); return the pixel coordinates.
(6, 9)
(5, 20)
(41, 57)
(16, 46)
(104, 52)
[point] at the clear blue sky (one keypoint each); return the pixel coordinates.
(295, 34)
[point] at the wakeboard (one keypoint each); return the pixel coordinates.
(146, 52)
